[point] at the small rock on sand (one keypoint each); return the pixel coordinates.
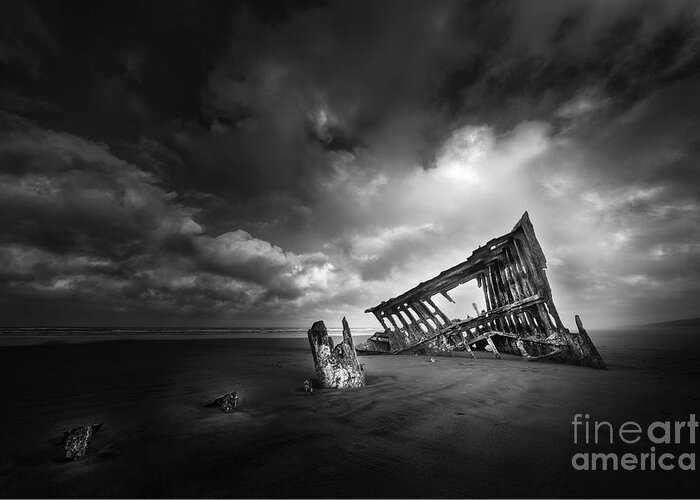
(227, 402)
(308, 387)
(77, 440)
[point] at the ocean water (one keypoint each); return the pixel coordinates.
(37, 335)
(658, 349)
(663, 349)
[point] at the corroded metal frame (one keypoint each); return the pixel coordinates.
(520, 316)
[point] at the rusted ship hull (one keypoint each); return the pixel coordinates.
(519, 318)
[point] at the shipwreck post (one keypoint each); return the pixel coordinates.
(337, 366)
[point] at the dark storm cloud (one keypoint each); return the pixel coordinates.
(240, 160)
(552, 51)
(281, 106)
(81, 224)
(413, 74)
(25, 38)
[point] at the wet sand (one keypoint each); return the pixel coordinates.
(454, 428)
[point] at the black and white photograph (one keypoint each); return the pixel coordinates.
(349, 248)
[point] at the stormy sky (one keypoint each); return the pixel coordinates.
(230, 163)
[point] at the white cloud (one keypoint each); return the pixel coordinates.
(375, 243)
(587, 101)
(460, 156)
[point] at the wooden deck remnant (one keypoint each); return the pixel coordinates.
(519, 318)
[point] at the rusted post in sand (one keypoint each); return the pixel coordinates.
(336, 366)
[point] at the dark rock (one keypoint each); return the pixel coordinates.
(77, 440)
(227, 402)
(336, 366)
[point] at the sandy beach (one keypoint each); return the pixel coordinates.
(454, 428)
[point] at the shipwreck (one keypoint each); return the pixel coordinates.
(520, 317)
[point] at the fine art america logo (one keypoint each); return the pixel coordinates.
(639, 441)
